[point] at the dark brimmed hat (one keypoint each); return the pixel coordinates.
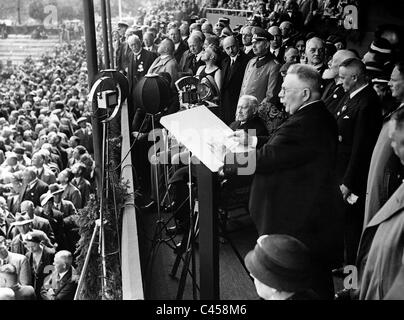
(34, 236)
(281, 262)
(56, 188)
(19, 150)
(224, 20)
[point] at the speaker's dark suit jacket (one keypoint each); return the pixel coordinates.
(294, 190)
(232, 78)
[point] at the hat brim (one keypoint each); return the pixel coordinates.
(46, 199)
(21, 223)
(272, 279)
(58, 191)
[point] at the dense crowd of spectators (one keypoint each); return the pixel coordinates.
(46, 172)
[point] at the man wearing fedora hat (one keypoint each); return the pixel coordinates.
(262, 78)
(281, 267)
(24, 225)
(66, 207)
(39, 257)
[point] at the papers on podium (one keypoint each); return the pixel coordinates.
(204, 134)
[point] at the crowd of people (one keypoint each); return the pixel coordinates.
(46, 172)
(325, 171)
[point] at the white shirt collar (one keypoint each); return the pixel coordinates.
(353, 94)
(176, 45)
(61, 275)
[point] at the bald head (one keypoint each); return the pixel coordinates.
(315, 51)
(166, 47)
(339, 57)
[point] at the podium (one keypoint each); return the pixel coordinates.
(204, 134)
(208, 190)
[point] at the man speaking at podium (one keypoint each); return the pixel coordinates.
(294, 189)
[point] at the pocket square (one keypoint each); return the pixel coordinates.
(346, 117)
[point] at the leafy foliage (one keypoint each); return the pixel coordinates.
(116, 198)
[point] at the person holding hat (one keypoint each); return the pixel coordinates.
(262, 78)
(281, 267)
(39, 257)
(19, 261)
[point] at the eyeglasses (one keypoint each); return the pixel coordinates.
(284, 90)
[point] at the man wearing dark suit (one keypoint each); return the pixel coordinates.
(191, 59)
(39, 258)
(62, 283)
(334, 92)
(9, 279)
(294, 189)
(43, 173)
(276, 48)
(140, 61)
(233, 67)
(359, 122)
(180, 45)
(315, 53)
(66, 207)
(32, 187)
